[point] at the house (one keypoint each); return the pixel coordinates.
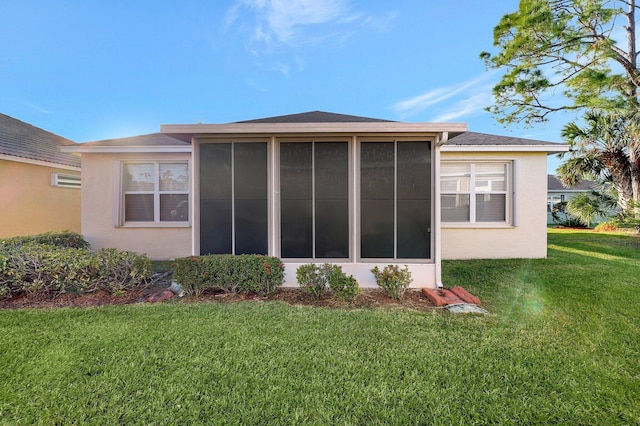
(39, 185)
(319, 187)
(558, 193)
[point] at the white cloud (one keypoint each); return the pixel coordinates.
(465, 107)
(438, 95)
(272, 22)
(37, 108)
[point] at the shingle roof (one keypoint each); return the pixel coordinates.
(473, 138)
(315, 117)
(19, 139)
(554, 184)
(153, 139)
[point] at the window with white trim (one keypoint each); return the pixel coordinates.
(155, 191)
(475, 192)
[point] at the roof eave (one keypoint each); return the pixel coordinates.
(125, 149)
(549, 149)
(36, 162)
(297, 128)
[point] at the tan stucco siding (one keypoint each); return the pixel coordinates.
(29, 205)
(100, 194)
(527, 238)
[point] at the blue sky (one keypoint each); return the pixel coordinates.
(93, 70)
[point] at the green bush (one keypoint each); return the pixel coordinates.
(229, 273)
(59, 239)
(344, 286)
(393, 280)
(312, 280)
(48, 269)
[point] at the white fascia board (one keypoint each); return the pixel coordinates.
(284, 128)
(505, 148)
(38, 162)
(125, 149)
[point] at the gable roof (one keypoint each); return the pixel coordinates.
(554, 185)
(316, 117)
(22, 140)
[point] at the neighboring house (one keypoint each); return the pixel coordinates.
(319, 187)
(39, 185)
(557, 193)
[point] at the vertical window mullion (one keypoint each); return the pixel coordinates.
(233, 199)
(156, 192)
(395, 199)
(472, 193)
(313, 199)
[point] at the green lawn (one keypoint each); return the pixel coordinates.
(561, 346)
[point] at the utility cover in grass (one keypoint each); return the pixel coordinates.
(466, 308)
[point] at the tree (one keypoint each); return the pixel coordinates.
(599, 152)
(563, 55)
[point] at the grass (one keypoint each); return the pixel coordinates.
(560, 346)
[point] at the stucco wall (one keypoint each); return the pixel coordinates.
(30, 205)
(99, 192)
(528, 237)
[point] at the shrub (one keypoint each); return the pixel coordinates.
(312, 280)
(344, 287)
(229, 273)
(606, 227)
(48, 269)
(59, 239)
(393, 280)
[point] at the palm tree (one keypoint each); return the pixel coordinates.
(600, 151)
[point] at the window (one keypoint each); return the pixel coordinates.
(65, 181)
(314, 200)
(156, 192)
(395, 200)
(475, 192)
(233, 198)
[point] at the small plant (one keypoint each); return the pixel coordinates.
(344, 286)
(393, 280)
(312, 280)
(606, 227)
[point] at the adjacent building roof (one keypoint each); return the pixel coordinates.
(21, 140)
(473, 141)
(554, 185)
(153, 139)
(484, 139)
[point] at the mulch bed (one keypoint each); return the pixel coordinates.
(370, 298)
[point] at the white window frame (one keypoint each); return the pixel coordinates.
(508, 192)
(156, 195)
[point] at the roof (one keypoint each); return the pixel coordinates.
(312, 122)
(177, 137)
(484, 139)
(22, 140)
(316, 117)
(554, 184)
(153, 139)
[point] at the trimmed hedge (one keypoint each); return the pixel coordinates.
(245, 273)
(49, 269)
(59, 239)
